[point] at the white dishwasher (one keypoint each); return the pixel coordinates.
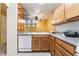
(24, 43)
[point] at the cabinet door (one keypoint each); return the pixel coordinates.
(44, 43)
(58, 15)
(52, 45)
(35, 43)
(71, 10)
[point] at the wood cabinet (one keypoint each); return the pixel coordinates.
(71, 10)
(44, 43)
(58, 15)
(35, 43)
(20, 11)
(20, 17)
(66, 13)
(3, 9)
(61, 48)
(52, 45)
(64, 48)
(3, 21)
(40, 43)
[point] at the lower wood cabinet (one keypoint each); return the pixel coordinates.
(44, 43)
(68, 49)
(59, 47)
(52, 45)
(40, 43)
(35, 43)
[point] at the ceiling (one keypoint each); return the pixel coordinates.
(40, 10)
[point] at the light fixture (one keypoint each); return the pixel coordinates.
(36, 17)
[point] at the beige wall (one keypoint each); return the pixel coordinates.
(45, 25)
(41, 26)
(50, 27)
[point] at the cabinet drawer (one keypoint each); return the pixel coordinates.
(66, 46)
(57, 53)
(63, 51)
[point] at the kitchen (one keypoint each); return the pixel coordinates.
(49, 27)
(39, 29)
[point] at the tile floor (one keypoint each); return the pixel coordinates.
(34, 54)
(31, 54)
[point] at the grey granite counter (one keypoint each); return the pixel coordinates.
(70, 40)
(30, 33)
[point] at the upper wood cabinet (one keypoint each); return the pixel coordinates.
(3, 9)
(20, 5)
(58, 15)
(20, 11)
(71, 10)
(21, 16)
(65, 13)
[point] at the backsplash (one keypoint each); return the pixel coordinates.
(74, 26)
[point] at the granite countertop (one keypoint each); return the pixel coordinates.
(34, 33)
(70, 40)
